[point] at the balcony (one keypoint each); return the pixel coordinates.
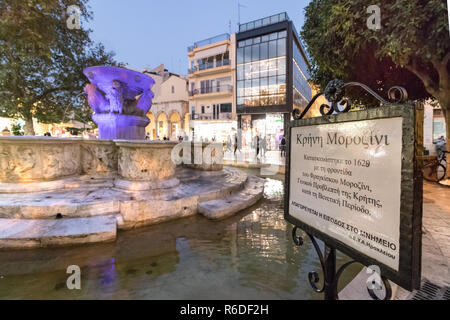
(209, 65)
(219, 38)
(210, 116)
(226, 116)
(208, 90)
(263, 22)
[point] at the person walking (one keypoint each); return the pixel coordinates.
(283, 146)
(263, 147)
(257, 145)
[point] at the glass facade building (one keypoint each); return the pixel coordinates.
(271, 77)
(261, 70)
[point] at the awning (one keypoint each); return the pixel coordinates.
(211, 52)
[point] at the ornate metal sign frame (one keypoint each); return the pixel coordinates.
(409, 273)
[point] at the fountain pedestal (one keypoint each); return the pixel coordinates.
(120, 126)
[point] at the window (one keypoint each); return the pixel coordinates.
(248, 54)
(264, 51)
(203, 109)
(240, 55)
(255, 52)
(240, 72)
(281, 44)
(173, 89)
(261, 72)
(272, 49)
(225, 108)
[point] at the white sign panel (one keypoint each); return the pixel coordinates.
(345, 181)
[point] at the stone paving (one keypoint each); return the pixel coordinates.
(270, 157)
(436, 218)
(436, 237)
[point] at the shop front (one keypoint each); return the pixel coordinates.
(268, 126)
(208, 131)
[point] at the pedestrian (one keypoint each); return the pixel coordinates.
(235, 143)
(228, 143)
(283, 146)
(257, 141)
(263, 147)
(440, 146)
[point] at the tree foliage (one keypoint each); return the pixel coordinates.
(42, 60)
(410, 49)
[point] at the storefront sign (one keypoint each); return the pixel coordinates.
(352, 182)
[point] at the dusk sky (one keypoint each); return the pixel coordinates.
(146, 33)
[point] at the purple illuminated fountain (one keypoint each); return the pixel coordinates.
(120, 99)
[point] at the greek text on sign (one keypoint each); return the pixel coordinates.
(346, 182)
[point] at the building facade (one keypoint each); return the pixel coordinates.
(271, 78)
(169, 114)
(211, 88)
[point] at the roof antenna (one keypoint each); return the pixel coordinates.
(239, 13)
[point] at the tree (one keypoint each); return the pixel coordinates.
(17, 129)
(412, 48)
(42, 60)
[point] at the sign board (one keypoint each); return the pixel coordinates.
(354, 181)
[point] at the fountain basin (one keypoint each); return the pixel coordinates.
(34, 164)
(58, 192)
(145, 165)
(103, 76)
(37, 159)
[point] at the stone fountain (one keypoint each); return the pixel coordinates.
(71, 191)
(120, 99)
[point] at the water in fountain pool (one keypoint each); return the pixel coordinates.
(249, 256)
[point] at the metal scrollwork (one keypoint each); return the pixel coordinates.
(403, 94)
(298, 240)
(313, 276)
(335, 92)
(327, 261)
(387, 288)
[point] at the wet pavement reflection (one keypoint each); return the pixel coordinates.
(248, 256)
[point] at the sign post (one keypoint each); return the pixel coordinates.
(354, 181)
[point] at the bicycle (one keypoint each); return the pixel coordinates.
(436, 170)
